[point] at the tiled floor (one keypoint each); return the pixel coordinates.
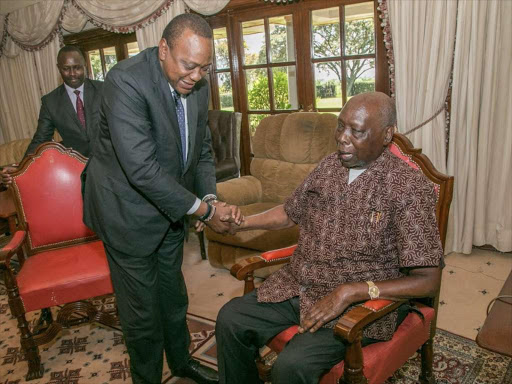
(469, 284)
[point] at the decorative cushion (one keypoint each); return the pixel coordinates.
(53, 277)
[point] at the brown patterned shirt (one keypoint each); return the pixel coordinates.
(367, 230)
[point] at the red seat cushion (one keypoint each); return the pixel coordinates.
(410, 335)
(64, 275)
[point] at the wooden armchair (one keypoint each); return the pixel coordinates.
(376, 362)
(61, 262)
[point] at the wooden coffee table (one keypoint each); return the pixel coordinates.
(496, 333)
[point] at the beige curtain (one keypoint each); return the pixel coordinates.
(423, 40)
(19, 96)
(150, 35)
(481, 128)
(119, 13)
(206, 8)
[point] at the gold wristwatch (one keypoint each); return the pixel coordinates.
(373, 290)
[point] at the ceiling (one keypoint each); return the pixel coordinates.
(7, 6)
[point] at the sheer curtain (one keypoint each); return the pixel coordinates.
(150, 35)
(481, 128)
(423, 40)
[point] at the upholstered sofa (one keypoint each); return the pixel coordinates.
(286, 148)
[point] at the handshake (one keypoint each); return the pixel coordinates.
(221, 217)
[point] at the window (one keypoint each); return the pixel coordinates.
(343, 54)
(103, 49)
(222, 70)
(313, 55)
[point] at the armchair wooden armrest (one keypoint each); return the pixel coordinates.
(13, 247)
(350, 325)
(244, 270)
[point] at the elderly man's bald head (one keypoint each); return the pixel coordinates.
(378, 104)
(365, 127)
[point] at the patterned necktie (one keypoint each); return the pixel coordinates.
(80, 108)
(180, 112)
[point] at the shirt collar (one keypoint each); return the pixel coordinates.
(72, 90)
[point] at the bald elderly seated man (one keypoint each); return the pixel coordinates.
(358, 212)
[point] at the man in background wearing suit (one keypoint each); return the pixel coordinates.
(152, 168)
(72, 108)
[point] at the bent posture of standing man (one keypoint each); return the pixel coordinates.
(150, 163)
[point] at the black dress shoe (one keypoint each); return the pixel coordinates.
(199, 373)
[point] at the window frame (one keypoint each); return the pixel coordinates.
(239, 11)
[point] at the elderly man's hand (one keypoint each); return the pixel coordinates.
(330, 307)
(5, 176)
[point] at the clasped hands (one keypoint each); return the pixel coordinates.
(226, 220)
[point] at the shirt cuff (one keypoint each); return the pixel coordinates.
(195, 207)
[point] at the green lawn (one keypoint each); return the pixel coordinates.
(333, 102)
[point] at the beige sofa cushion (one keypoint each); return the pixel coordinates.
(287, 148)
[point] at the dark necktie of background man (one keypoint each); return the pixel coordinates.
(80, 108)
(180, 112)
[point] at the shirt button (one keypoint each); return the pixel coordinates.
(303, 289)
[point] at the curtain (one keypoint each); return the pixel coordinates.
(206, 8)
(19, 96)
(150, 35)
(423, 42)
(481, 128)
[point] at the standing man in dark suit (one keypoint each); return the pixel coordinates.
(150, 169)
(72, 108)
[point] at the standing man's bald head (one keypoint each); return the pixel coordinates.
(365, 127)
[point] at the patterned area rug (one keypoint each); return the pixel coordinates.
(97, 355)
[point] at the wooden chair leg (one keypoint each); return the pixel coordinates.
(28, 344)
(200, 235)
(353, 371)
(427, 354)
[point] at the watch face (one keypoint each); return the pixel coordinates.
(374, 292)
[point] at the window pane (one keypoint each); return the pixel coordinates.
(360, 76)
(254, 120)
(254, 42)
(285, 87)
(225, 91)
(110, 57)
(328, 85)
(220, 42)
(326, 32)
(359, 32)
(281, 39)
(133, 49)
(95, 60)
(257, 86)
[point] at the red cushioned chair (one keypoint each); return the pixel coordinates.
(61, 261)
(376, 362)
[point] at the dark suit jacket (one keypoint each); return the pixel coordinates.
(57, 113)
(135, 184)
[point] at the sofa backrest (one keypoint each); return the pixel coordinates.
(287, 147)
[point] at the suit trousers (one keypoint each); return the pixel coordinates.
(244, 325)
(152, 302)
